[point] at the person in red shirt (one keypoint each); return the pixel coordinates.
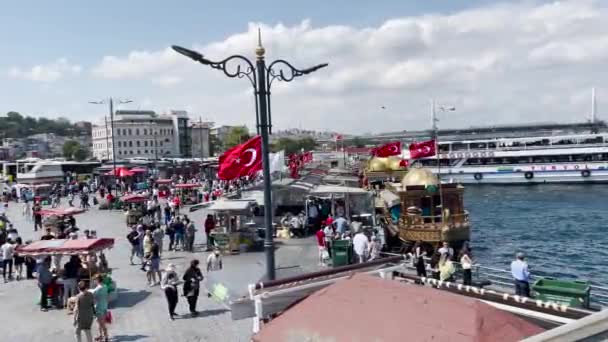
(209, 226)
(329, 221)
(321, 245)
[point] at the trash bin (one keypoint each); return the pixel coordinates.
(569, 292)
(340, 253)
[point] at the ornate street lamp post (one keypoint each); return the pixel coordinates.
(261, 78)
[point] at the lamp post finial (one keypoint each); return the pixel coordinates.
(259, 50)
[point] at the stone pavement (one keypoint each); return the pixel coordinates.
(140, 312)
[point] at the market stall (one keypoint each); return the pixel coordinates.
(164, 187)
(135, 205)
(60, 221)
(232, 234)
(188, 192)
(90, 252)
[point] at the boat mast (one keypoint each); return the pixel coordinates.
(593, 105)
(435, 138)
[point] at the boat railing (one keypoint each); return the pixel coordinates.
(431, 221)
(523, 147)
(502, 278)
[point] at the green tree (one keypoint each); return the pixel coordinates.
(215, 145)
(236, 136)
(73, 150)
(294, 146)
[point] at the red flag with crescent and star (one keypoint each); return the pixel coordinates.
(387, 150)
(241, 160)
(422, 149)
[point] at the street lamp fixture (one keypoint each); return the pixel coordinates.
(110, 102)
(261, 77)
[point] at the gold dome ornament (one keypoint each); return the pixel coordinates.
(419, 176)
(394, 164)
(259, 50)
(378, 164)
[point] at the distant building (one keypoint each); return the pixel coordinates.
(221, 133)
(200, 134)
(144, 134)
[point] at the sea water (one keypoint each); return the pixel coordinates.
(562, 229)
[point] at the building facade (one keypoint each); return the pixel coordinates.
(199, 132)
(142, 134)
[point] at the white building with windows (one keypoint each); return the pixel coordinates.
(142, 134)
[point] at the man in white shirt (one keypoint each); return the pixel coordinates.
(214, 261)
(329, 237)
(361, 247)
(7, 250)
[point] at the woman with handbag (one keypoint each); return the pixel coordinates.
(169, 284)
(192, 279)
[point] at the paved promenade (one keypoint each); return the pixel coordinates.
(140, 312)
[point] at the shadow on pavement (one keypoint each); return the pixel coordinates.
(214, 312)
(128, 299)
(127, 338)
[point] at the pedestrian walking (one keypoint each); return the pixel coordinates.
(190, 235)
(521, 275)
(70, 278)
(133, 238)
(37, 216)
(154, 265)
(7, 251)
(466, 262)
(84, 313)
(419, 255)
(101, 308)
(361, 247)
(214, 261)
(45, 277)
(192, 279)
(209, 226)
(169, 284)
(157, 235)
(19, 260)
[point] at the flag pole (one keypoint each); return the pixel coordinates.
(436, 138)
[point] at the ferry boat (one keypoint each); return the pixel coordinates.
(578, 158)
(35, 170)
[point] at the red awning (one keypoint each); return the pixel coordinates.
(413, 313)
(61, 212)
(163, 181)
(187, 186)
(134, 198)
(65, 247)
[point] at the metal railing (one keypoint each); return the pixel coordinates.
(503, 280)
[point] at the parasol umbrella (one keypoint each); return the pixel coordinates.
(134, 198)
(61, 212)
(138, 170)
(120, 172)
(187, 186)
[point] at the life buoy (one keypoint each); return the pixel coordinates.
(478, 176)
(585, 173)
(529, 175)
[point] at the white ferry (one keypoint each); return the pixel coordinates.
(34, 170)
(578, 158)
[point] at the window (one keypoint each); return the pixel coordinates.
(146, 143)
(137, 142)
(131, 152)
(137, 131)
(130, 133)
(138, 152)
(119, 152)
(161, 143)
(146, 151)
(119, 144)
(145, 131)
(130, 143)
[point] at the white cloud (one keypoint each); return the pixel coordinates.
(46, 72)
(167, 81)
(499, 64)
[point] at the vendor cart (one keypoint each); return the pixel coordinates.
(232, 235)
(90, 252)
(188, 192)
(135, 205)
(164, 187)
(60, 220)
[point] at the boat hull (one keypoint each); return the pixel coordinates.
(528, 177)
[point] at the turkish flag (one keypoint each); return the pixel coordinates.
(307, 157)
(242, 160)
(422, 149)
(387, 150)
(403, 163)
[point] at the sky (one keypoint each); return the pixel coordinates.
(497, 62)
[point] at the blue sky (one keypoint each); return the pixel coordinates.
(68, 41)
